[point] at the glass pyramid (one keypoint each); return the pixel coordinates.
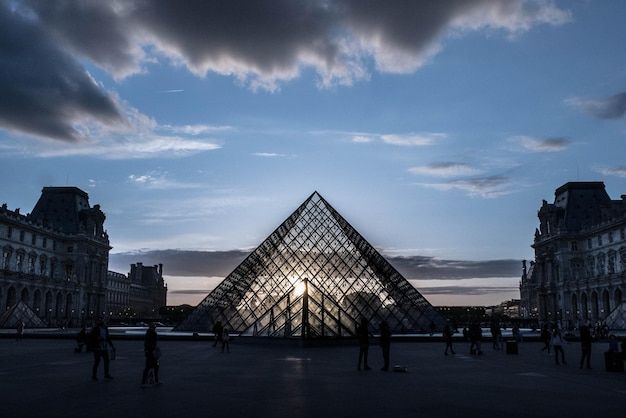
(315, 276)
(20, 312)
(617, 318)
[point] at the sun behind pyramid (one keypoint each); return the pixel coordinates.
(315, 276)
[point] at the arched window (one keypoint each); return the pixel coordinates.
(606, 304)
(11, 297)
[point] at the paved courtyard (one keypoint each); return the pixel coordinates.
(44, 378)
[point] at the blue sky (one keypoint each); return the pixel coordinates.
(435, 128)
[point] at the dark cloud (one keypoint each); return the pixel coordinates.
(554, 144)
(45, 91)
(222, 263)
(182, 263)
(190, 292)
(465, 290)
(430, 268)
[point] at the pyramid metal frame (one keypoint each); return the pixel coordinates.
(315, 276)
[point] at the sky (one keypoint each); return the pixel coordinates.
(435, 129)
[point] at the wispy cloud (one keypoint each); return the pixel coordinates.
(404, 140)
(618, 171)
(613, 107)
(159, 180)
(446, 169)
(194, 130)
(555, 144)
(487, 187)
(271, 155)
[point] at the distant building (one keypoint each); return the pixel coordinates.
(579, 271)
(510, 308)
(138, 295)
(56, 258)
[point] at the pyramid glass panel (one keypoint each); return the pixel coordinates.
(315, 276)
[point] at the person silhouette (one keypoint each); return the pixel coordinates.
(364, 343)
(385, 343)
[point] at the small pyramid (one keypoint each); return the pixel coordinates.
(21, 312)
(315, 276)
(616, 320)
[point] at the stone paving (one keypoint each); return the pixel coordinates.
(44, 378)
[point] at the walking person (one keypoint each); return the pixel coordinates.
(585, 346)
(385, 344)
(476, 338)
(447, 337)
(152, 353)
(81, 340)
(218, 329)
(557, 345)
(364, 344)
(496, 334)
(100, 340)
(225, 340)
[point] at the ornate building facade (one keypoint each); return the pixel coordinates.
(55, 260)
(578, 275)
(138, 295)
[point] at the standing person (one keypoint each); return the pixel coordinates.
(557, 344)
(151, 351)
(81, 340)
(447, 337)
(225, 340)
(517, 333)
(100, 340)
(545, 337)
(364, 343)
(496, 334)
(476, 338)
(218, 329)
(585, 345)
(20, 330)
(385, 344)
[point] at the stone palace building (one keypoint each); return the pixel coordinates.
(578, 275)
(55, 260)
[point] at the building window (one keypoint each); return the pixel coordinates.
(22, 236)
(33, 239)
(601, 260)
(44, 244)
(599, 239)
(6, 257)
(611, 236)
(611, 266)
(622, 233)
(574, 246)
(31, 264)
(20, 262)
(10, 233)
(42, 266)
(589, 244)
